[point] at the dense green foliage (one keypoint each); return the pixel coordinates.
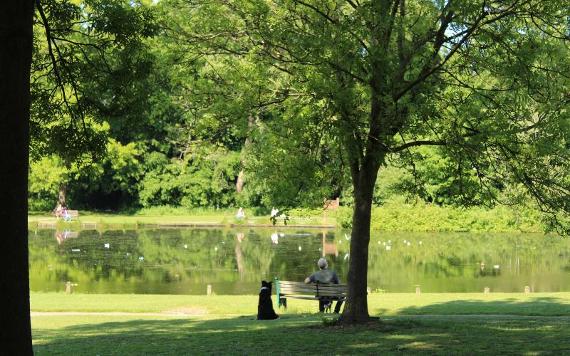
(180, 106)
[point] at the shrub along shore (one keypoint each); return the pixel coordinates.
(392, 216)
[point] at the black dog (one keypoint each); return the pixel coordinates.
(265, 309)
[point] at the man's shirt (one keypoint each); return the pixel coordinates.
(324, 276)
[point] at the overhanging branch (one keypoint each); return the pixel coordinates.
(417, 143)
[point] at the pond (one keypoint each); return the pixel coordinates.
(234, 261)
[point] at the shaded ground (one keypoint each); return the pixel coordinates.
(424, 332)
(295, 335)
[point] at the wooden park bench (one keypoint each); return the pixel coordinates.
(311, 291)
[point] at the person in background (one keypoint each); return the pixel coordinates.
(274, 214)
(65, 214)
(240, 214)
(324, 275)
(58, 210)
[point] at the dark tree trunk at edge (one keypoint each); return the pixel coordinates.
(15, 58)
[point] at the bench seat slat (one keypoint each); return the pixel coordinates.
(297, 291)
(295, 296)
(312, 291)
(314, 285)
(287, 295)
(301, 290)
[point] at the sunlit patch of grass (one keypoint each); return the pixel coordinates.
(364, 346)
(419, 345)
(400, 337)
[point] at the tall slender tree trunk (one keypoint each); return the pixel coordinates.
(241, 176)
(356, 309)
(240, 180)
(15, 59)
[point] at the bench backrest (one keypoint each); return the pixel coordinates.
(315, 289)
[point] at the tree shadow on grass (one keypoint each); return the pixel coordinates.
(303, 334)
(538, 306)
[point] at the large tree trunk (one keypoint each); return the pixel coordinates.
(356, 309)
(15, 59)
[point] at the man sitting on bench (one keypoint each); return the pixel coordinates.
(324, 275)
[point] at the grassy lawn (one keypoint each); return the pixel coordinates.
(429, 323)
(171, 217)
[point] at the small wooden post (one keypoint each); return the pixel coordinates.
(418, 290)
(526, 289)
(209, 290)
(487, 290)
(68, 287)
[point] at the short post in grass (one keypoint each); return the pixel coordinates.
(487, 290)
(418, 290)
(526, 290)
(209, 289)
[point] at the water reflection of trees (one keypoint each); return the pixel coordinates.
(168, 261)
(180, 261)
(467, 262)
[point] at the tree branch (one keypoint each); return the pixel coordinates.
(417, 143)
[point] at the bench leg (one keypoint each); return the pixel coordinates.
(338, 305)
(325, 305)
(283, 302)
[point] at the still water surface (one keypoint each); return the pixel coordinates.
(234, 261)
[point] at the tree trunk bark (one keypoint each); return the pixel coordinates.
(356, 309)
(62, 194)
(241, 176)
(15, 59)
(240, 180)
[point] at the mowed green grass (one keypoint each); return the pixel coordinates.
(172, 325)
(206, 217)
